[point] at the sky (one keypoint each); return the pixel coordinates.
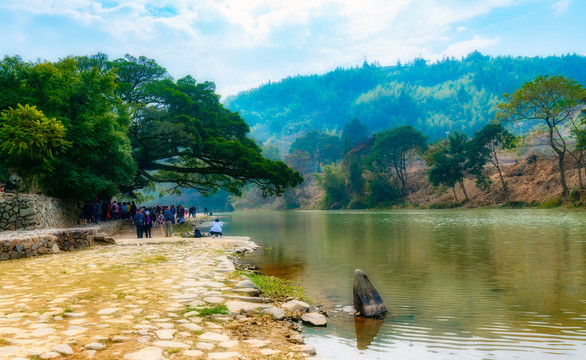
(241, 44)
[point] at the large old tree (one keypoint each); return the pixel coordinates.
(131, 125)
(550, 101)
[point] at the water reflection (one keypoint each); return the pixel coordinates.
(366, 330)
(495, 284)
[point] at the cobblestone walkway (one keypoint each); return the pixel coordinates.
(137, 302)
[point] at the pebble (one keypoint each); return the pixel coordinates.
(212, 336)
(108, 311)
(42, 332)
(314, 319)
(295, 305)
(165, 334)
(214, 300)
(95, 346)
(63, 349)
(193, 353)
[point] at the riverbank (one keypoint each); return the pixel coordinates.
(136, 300)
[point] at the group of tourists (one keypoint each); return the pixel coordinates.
(102, 210)
(144, 218)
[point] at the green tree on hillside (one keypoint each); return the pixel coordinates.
(448, 162)
(394, 149)
(550, 101)
(485, 148)
(322, 149)
(353, 132)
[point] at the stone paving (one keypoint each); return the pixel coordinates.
(140, 301)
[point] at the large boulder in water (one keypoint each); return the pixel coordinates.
(367, 300)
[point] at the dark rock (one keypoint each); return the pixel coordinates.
(367, 301)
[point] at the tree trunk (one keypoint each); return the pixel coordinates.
(454, 189)
(502, 179)
(579, 165)
(562, 174)
(464, 190)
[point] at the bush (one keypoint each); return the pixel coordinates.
(551, 203)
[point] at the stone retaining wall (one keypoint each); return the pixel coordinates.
(14, 245)
(29, 211)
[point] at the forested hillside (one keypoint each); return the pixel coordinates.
(435, 98)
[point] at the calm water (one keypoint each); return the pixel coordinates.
(478, 284)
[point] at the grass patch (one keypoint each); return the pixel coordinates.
(156, 259)
(220, 309)
(178, 229)
(551, 203)
(4, 342)
(278, 288)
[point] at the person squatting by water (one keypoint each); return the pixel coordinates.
(216, 229)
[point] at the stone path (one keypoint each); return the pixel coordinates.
(139, 301)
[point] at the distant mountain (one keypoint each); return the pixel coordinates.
(435, 97)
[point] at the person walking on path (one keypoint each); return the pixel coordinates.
(140, 221)
(216, 229)
(168, 223)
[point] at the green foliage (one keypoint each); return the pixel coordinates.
(447, 95)
(321, 148)
(333, 182)
(30, 140)
(278, 288)
(130, 125)
(551, 203)
(383, 192)
(550, 101)
(393, 150)
(353, 133)
(484, 148)
(209, 311)
(447, 161)
(83, 100)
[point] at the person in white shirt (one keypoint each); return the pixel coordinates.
(216, 229)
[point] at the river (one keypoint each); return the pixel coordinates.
(466, 284)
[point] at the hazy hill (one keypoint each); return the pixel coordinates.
(435, 97)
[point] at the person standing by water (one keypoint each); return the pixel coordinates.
(216, 229)
(168, 222)
(139, 220)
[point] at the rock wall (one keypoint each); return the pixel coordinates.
(14, 245)
(29, 211)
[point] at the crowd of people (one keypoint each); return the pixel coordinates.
(145, 218)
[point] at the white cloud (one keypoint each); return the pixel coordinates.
(561, 6)
(464, 48)
(241, 42)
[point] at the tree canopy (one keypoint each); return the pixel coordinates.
(131, 125)
(551, 101)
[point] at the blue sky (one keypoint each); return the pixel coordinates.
(240, 44)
